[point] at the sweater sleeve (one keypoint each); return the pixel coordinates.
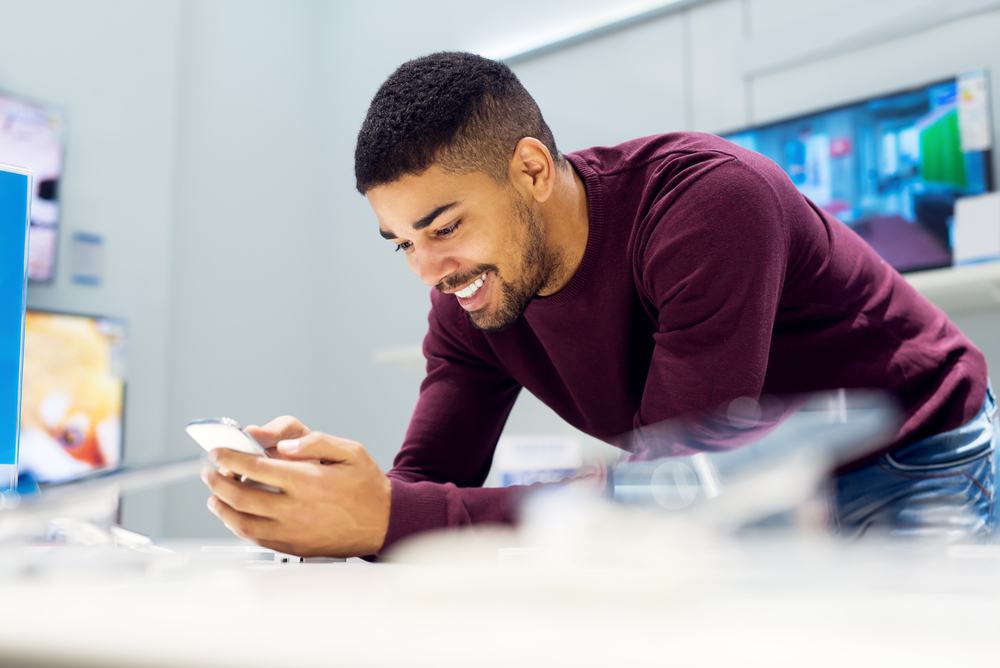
(712, 266)
(464, 402)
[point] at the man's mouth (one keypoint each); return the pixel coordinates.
(472, 288)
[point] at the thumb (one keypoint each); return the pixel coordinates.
(278, 429)
(319, 446)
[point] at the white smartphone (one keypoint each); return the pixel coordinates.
(212, 433)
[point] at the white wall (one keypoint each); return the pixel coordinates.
(111, 66)
(636, 77)
(252, 272)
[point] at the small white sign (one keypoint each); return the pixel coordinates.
(973, 112)
(524, 460)
(87, 258)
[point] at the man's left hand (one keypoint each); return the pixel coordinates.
(334, 499)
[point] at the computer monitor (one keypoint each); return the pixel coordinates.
(73, 404)
(15, 188)
(32, 136)
(891, 167)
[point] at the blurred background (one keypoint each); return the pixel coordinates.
(201, 196)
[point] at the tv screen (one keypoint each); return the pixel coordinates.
(73, 396)
(32, 136)
(891, 167)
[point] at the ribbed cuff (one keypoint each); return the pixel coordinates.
(415, 507)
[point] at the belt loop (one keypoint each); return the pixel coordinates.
(991, 401)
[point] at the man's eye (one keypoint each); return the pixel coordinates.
(448, 231)
(403, 246)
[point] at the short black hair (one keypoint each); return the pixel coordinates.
(459, 110)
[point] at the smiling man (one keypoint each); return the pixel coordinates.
(622, 286)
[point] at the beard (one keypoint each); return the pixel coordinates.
(537, 267)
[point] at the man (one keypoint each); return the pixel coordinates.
(623, 286)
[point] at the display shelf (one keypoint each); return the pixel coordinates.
(974, 287)
(405, 358)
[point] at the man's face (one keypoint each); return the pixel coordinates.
(470, 236)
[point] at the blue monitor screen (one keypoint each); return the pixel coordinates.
(14, 196)
(890, 167)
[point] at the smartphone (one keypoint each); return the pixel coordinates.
(212, 433)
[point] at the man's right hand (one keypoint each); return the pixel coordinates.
(332, 499)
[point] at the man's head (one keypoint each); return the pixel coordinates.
(457, 161)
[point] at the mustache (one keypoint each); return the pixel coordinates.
(453, 282)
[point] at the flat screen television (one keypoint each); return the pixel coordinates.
(73, 396)
(891, 167)
(31, 136)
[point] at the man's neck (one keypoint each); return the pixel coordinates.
(566, 222)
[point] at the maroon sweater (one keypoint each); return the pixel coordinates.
(706, 276)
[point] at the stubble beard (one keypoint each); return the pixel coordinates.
(537, 267)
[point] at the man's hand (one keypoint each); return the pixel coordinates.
(334, 500)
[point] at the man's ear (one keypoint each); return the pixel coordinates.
(532, 169)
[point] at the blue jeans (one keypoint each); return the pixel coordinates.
(940, 487)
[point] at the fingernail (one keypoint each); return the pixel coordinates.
(211, 503)
(291, 445)
(213, 455)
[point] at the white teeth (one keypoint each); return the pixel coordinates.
(471, 288)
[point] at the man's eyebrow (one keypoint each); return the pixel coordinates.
(423, 222)
(429, 218)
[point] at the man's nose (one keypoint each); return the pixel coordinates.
(432, 268)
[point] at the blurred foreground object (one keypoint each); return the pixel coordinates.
(29, 516)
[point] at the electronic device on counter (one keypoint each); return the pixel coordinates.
(893, 167)
(90, 498)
